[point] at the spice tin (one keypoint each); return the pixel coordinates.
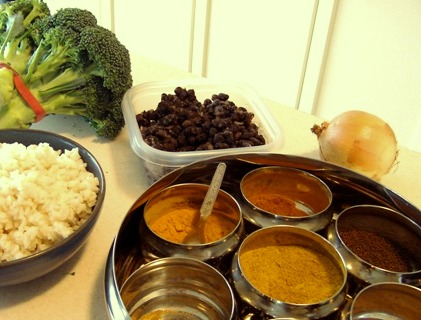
(287, 271)
(178, 288)
(173, 213)
(378, 244)
(285, 196)
(348, 189)
(386, 300)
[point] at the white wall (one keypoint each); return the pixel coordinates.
(158, 29)
(282, 48)
(373, 63)
(264, 44)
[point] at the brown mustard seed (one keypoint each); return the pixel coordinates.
(375, 249)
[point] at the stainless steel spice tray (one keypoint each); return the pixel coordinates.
(348, 188)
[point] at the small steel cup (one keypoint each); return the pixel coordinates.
(216, 252)
(271, 307)
(388, 224)
(178, 288)
(386, 301)
(308, 193)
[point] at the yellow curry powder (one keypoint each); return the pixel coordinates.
(291, 273)
(175, 225)
(167, 314)
(277, 204)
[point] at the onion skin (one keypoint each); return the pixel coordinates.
(359, 141)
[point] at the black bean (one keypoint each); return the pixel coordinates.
(182, 123)
(205, 146)
(213, 131)
(187, 123)
(223, 96)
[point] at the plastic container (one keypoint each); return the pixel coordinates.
(146, 96)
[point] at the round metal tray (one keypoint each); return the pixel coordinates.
(348, 188)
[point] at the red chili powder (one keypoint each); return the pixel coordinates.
(277, 204)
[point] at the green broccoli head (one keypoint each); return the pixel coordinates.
(108, 63)
(110, 125)
(74, 18)
(107, 58)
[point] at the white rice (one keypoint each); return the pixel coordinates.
(45, 195)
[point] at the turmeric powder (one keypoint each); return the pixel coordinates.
(277, 204)
(175, 225)
(291, 273)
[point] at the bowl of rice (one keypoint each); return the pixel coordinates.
(51, 193)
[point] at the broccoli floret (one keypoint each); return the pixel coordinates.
(16, 22)
(30, 10)
(75, 19)
(71, 66)
(106, 57)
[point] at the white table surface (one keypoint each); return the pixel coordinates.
(75, 290)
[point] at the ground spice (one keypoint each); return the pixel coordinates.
(291, 273)
(167, 314)
(375, 249)
(175, 225)
(277, 204)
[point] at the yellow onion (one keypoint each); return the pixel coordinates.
(359, 141)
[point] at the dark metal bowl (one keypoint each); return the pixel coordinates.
(41, 263)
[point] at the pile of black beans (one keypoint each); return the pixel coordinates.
(182, 123)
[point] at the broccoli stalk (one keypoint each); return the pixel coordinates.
(70, 64)
(7, 87)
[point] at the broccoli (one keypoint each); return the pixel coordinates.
(69, 63)
(16, 21)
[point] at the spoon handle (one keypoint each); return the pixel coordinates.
(212, 192)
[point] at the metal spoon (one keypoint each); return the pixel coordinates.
(196, 236)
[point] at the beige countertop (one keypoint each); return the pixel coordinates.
(75, 290)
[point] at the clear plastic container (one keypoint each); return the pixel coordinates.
(146, 96)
